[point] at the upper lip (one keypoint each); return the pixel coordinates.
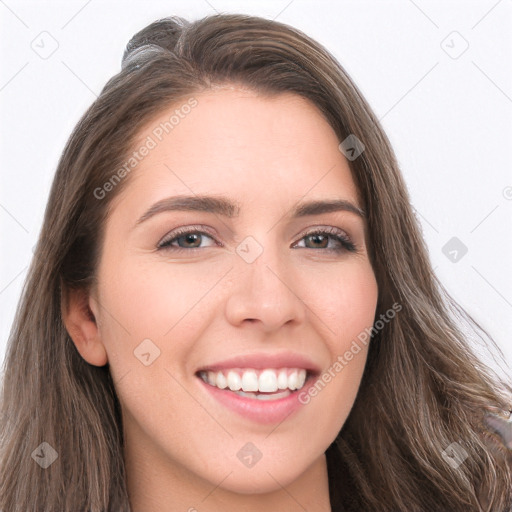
(260, 361)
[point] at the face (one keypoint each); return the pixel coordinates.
(259, 294)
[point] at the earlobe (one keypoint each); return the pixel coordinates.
(81, 325)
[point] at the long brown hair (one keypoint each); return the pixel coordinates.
(423, 389)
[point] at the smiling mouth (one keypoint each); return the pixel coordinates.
(266, 384)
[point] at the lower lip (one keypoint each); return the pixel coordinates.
(260, 411)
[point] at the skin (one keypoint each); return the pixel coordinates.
(207, 304)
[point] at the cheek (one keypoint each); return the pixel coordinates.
(153, 298)
(169, 304)
(344, 301)
(340, 384)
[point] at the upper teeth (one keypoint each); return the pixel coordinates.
(266, 381)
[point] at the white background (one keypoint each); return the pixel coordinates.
(448, 115)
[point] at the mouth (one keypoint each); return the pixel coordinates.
(260, 396)
(258, 384)
(263, 388)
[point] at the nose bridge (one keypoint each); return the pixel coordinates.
(263, 290)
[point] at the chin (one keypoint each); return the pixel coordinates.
(247, 481)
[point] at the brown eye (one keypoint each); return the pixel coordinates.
(184, 239)
(320, 240)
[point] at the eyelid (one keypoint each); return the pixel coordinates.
(327, 229)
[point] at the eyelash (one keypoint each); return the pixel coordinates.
(346, 245)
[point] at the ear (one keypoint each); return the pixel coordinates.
(81, 325)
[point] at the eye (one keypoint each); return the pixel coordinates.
(321, 237)
(329, 239)
(186, 239)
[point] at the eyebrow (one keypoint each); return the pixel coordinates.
(230, 209)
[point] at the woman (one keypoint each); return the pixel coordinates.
(231, 306)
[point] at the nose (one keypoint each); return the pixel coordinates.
(264, 292)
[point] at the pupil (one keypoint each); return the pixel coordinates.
(317, 238)
(191, 238)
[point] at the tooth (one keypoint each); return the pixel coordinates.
(292, 380)
(234, 381)
(282, 380)
(221, 381)
(301, 378)
(268, 381)
(250, 381)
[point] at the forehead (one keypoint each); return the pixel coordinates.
(235, 142)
